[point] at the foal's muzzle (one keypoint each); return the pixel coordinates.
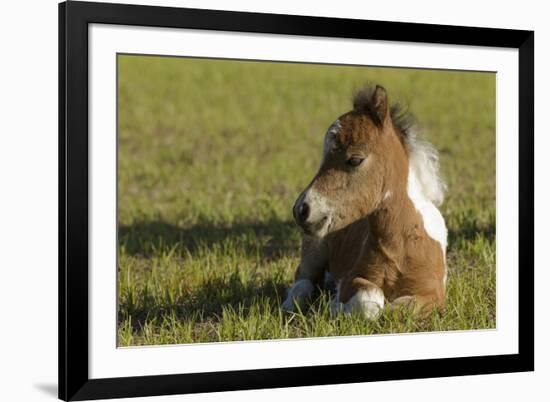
(301, 212)
(309, 215)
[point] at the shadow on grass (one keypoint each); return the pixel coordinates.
(269, 239)
(207, 301)
(469, 231)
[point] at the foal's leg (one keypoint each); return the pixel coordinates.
(310, 273)
(358, 295)
(418, 305)
(420, 294)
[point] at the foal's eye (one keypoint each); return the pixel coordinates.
(355, 161)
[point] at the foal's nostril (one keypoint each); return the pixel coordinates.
(303, 211)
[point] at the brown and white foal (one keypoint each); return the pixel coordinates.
(369, 216)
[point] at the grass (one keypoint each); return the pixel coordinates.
(212, 155)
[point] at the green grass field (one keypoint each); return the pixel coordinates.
(212, 155)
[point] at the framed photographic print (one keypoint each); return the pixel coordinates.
(257, 200)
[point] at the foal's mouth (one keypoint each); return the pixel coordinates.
(312, 229)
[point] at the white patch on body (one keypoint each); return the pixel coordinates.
(387, 195)
(433, 220)
(298, 293)
(427, 190)
(422, 196)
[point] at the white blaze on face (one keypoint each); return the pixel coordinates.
(330, 137)
(320, 210)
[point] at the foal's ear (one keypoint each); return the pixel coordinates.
(380, 103)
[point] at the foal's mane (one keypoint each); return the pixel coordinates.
(403, 120)
(423, 157)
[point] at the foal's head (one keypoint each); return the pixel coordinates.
(364, 163)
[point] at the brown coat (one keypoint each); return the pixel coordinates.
(376, 237)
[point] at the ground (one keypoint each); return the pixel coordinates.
(212, 155)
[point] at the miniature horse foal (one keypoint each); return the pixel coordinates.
(369, 215)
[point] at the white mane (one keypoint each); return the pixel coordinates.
(424, 163)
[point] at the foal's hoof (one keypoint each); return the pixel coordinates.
(298, 294)
(336, 307)
(368, 305)
(288, 305)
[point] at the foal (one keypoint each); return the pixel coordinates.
(369, 217)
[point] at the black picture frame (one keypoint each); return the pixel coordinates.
(74, 18)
